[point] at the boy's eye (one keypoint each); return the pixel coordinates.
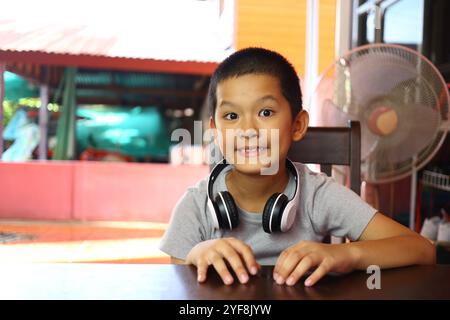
(265, 113)
(231, 116)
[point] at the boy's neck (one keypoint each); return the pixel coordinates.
(251, 191)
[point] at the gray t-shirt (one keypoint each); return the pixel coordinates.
(325, 207)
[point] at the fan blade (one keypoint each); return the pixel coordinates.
(417, 126)
(374, 75)
(333, 116)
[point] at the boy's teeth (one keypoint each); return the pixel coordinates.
(252, 149)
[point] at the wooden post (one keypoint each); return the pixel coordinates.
(43, 122)
(43, 114)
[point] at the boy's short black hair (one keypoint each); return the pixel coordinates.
(258, 61)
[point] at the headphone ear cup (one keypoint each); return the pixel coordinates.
(266, 212)
(271, 219)
(227, 210)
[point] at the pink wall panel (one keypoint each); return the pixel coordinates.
(93, 190)
(130, 191)
(36, 190)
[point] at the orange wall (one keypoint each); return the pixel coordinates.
(281, 26)
(327, 27)
(277, 25)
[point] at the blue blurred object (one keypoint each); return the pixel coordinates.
(140, 132)
(25, 135)
(17, 87)
(19, 119)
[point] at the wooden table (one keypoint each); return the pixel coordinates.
(178, 282)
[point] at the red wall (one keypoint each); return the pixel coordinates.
(93, 190)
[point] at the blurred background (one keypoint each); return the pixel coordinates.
(92, 92)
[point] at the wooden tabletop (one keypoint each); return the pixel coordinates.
(178, 282)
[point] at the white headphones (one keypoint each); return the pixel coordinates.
(278, 214)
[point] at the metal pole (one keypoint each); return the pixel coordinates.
(43, 122)
(342, 44)
(412, 200)
(378, 18)
(2, 97)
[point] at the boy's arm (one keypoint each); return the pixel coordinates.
(384, 242)
(177, 261)
(389, 244)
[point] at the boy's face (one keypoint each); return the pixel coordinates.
(254, 122)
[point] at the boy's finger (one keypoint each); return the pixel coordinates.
(247, 253)
(222, 270)
(202, 269)
(235, 261)
(279, 263)
(318, 274)
(304, 265)
(287, 264)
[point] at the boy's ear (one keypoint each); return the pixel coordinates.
(212, 124)
(300, 125)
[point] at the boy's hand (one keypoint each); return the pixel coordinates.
(295, 261)
(217, 252)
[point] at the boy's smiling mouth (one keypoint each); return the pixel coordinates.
(251, 151)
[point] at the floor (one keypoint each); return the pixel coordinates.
(99, 242)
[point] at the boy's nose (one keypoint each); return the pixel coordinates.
(248, 133)
(248, 125)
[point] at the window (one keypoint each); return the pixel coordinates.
(403, 23)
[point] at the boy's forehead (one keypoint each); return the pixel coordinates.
(248, 86)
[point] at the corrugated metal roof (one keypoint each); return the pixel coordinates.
(155, 30)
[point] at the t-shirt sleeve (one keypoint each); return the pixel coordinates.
(338, 211)
(185, 229)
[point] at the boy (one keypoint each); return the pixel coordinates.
(254, 90)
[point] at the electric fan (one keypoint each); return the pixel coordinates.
(400, 100)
